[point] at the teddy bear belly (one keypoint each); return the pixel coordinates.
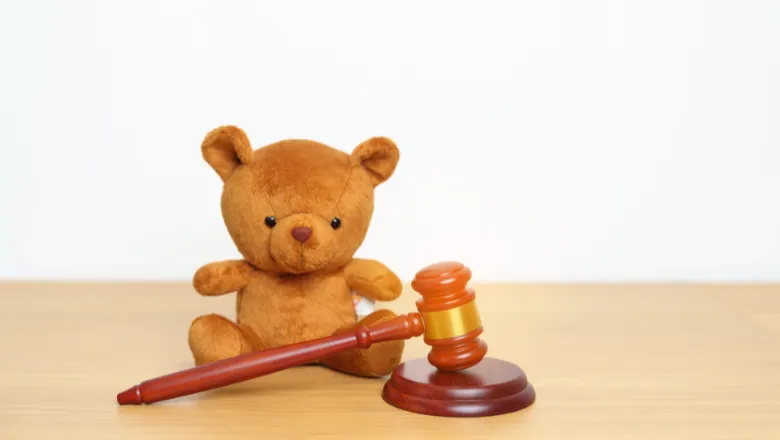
(281, 315)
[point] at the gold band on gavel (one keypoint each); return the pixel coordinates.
(445, 324)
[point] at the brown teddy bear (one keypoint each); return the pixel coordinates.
(297, 211)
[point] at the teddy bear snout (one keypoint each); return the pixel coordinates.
(301, 233)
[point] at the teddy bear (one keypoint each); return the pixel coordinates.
(297, 211)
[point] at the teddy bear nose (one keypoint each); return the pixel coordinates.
(301, 234)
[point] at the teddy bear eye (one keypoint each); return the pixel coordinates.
(270, 221)
(335, 223)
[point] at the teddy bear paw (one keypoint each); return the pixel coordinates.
(378, 360)
(214, 337)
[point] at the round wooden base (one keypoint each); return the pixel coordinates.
(491, 387)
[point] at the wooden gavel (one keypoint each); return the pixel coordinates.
(447, 316)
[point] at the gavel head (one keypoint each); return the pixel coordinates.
(450, 316)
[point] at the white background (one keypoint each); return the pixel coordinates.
(541, 140)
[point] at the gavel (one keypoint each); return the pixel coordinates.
(456, 379)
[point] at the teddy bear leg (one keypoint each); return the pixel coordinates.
(214, 337)
(376, 361)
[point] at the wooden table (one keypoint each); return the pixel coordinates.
(607, 361)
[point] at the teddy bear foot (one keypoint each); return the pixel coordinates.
(376, 361)
(214, 337)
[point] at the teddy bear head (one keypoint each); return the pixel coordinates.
(297, 206)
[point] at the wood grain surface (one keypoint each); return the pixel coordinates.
(607, 362)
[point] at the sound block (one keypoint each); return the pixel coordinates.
(492, 387)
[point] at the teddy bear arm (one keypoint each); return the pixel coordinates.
(373, 280)
(222, 277)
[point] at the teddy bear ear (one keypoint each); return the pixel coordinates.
(225, 148)
(377, 155)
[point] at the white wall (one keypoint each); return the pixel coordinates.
(541, 140)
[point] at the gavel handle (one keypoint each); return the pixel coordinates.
(249, 366)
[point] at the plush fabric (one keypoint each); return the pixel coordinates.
(297, 211)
